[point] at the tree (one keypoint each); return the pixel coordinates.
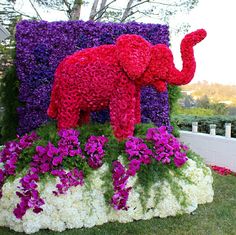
(219, 108)
(105, 10)
(187, 101)
(203, 102)
(162, 11)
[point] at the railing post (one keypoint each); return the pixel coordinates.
(228, 130)
(212, 129)
(195, 127)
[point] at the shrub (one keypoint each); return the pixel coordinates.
(174, 93)
(185, 123)
(196, 111)
(9, 100)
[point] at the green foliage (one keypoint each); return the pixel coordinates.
(219, 108)
(216, 108)
(196, 111)
(174, 93)
(9, 100)
(157, 172)
(185, 123)
(203, 102)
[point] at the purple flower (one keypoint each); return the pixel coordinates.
(29, 196)
(121, 192)
(134, 166)
(70, 179)
(136, 148)
(69, 144)
(10, 154)
(166, 146)
(155, 107)
(1, 175)
(57, 160)
(94, 148)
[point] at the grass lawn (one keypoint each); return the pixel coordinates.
(217, 218)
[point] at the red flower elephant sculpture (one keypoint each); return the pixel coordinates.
(112, 75)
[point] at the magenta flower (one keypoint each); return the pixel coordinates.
(57, 160)
(29, 196)
(167, 147)
(136, 148)
(94, 148)
(138, 153)
(69, 144)
(121, 192)
(70, 179)
(120, 198)
(10, 154)
(134, 166)
(43, 159)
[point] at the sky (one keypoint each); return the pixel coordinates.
(214, 56)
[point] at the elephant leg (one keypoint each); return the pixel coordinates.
(84, 117)
(122, 111)
(68, 112)
(137, 107)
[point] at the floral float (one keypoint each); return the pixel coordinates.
(84, 176)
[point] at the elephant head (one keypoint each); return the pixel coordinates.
(153, 65)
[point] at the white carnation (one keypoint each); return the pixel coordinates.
(85, 206)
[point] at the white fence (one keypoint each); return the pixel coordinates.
(216, 150)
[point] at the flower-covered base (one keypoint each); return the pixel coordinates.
(86, 206)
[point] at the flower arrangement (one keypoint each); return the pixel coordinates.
(10, 154)
(165, 148)
(49, 159)
(38, 56)
(70, 179)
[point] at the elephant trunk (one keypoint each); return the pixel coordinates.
(185, 76)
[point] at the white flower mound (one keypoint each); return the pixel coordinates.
(86, 207)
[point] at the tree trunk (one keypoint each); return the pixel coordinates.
(75, 13)
(93, 10)
(102, 6)
(127, 10)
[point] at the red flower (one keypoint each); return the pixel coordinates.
(222, 170)
(112, 75)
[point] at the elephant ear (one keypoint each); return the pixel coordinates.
(133, 53)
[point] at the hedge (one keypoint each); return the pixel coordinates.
(185, 123)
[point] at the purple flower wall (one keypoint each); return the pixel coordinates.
(40, 46)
